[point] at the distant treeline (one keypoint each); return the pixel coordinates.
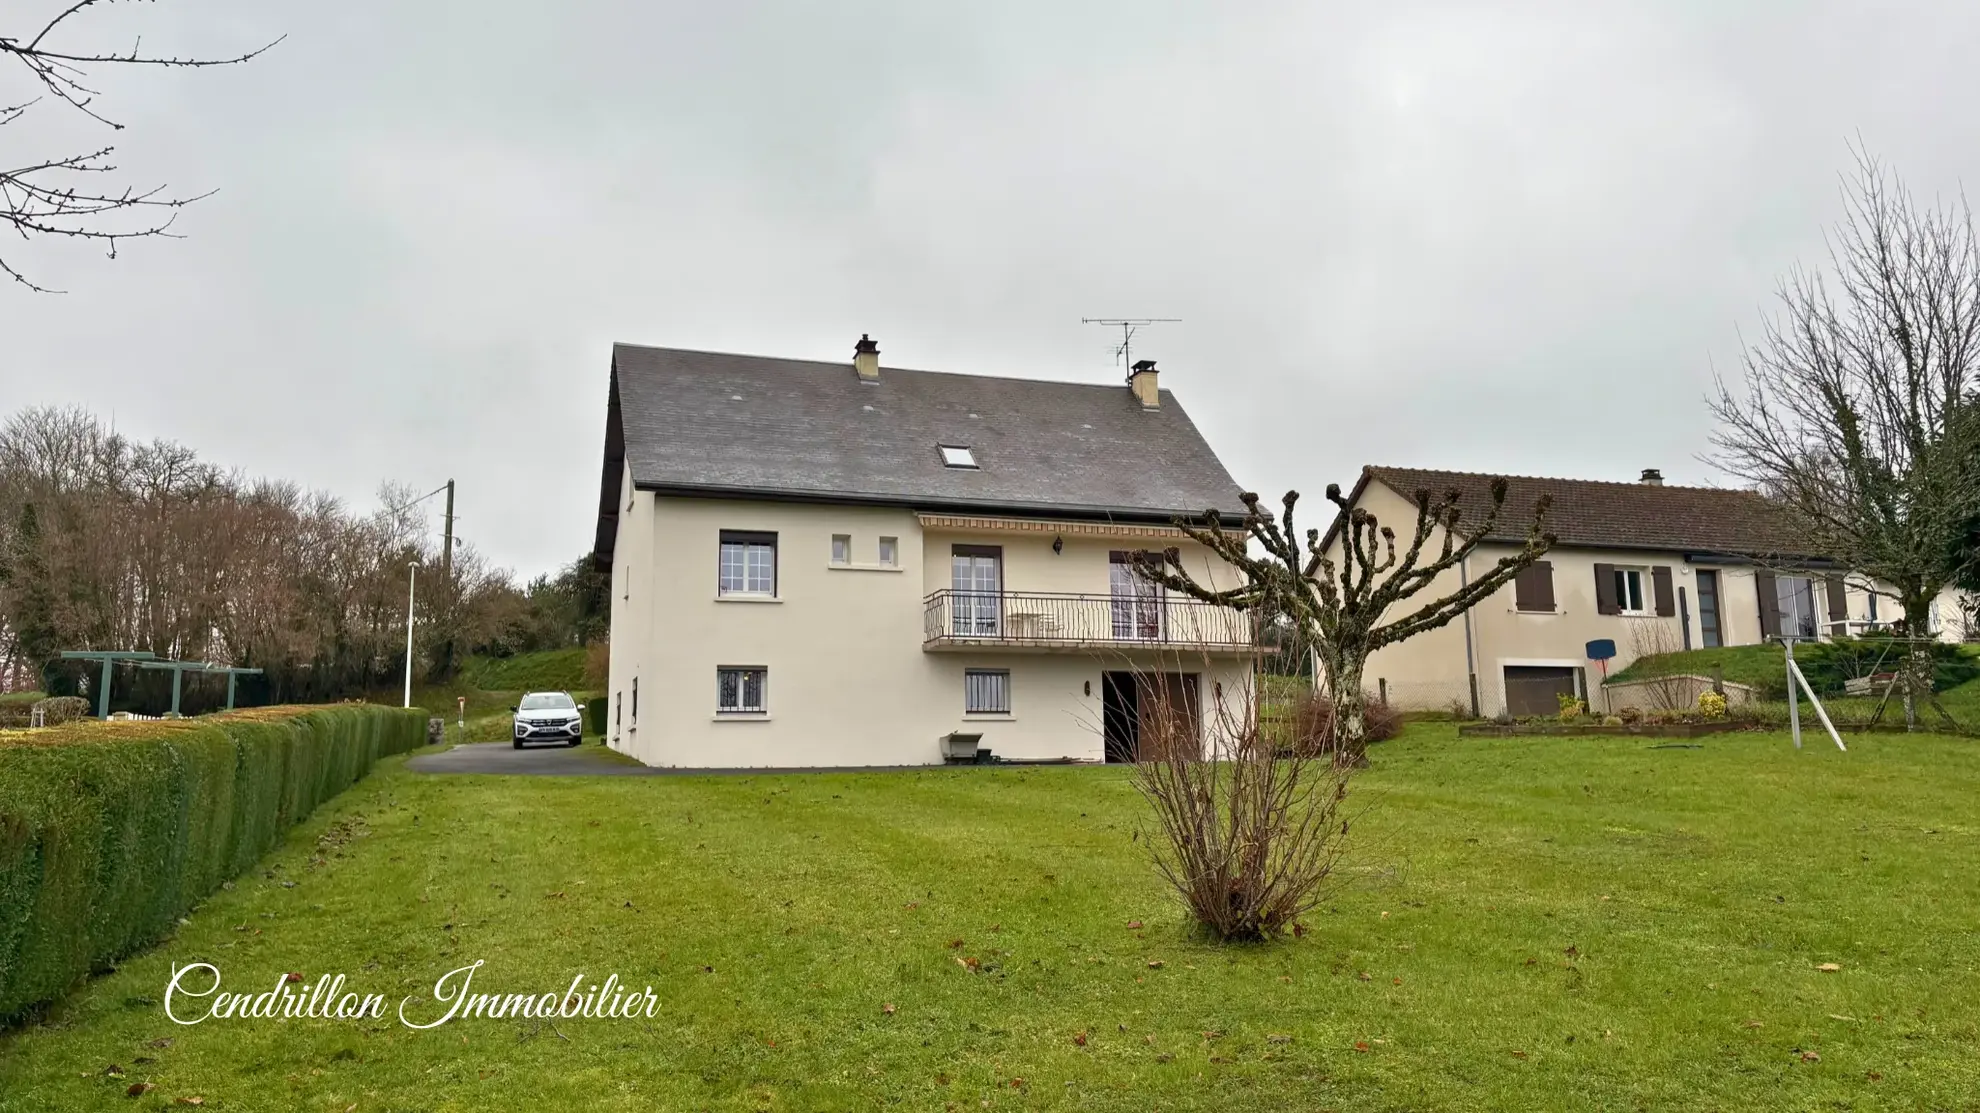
(112, 543)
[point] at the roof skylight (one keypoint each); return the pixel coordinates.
(957, 456)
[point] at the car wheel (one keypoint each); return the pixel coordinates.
(517, 743)
(575, 742)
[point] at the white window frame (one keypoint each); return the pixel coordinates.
(758, 579)
(972, 690)
(742, 705)
(890, 552)
(1799, 589)
(842, 548)
(1626, 574)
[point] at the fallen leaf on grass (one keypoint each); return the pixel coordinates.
(292, 977)
(1810, 1057)
(553, 896)
(1873, 1076)
(1278, 1039)
(1154, 964)
(139, 1089)
(1361, 1045)
(1364, 976)
(113, 1070)
(1299, 929)
(1839, 1016)
(955, 944)
(1079, 1039)
(1754, 1024)
(887, 1009)
(969, 964)
(1572, 951)
(1134, 925)
(1398, 981)
(1519, 1054)
(1830, 968)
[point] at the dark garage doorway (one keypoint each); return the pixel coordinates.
(1537, 689)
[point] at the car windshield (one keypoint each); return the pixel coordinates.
(547, 701)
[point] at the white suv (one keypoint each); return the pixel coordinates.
(548, 717)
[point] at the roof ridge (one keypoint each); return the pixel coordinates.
(1568, 479)
(884, 368)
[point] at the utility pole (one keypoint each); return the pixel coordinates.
(412, 580)
(447, 545)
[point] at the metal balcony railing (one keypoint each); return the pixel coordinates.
(1044, 618)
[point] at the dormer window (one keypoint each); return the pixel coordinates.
(957, 456)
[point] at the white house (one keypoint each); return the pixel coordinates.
(840, 564)
(1642, 566)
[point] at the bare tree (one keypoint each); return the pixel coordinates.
(1339, 602)
(1857, 414)
(56, 195)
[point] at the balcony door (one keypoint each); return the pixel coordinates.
(976, 585)
(1136, 600)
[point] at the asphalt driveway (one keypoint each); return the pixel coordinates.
(588, 760)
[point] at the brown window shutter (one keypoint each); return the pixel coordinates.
(1533, 588)
(1660, 588)
(1770, 604)
(1838, 599)
(1605, 589)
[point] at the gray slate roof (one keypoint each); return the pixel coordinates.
(710, 423)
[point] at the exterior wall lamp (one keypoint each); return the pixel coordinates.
(1058, 545)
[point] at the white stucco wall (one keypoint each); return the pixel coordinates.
(849, 683)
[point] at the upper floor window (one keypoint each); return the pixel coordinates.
(1533, 588)
(957, 456)
(890, 551)
(842, 548)
(748, 563)
(1629, 590)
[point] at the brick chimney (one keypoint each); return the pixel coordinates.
(1142, 381)
(1652, 478)
(866, 359)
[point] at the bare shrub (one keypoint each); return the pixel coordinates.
(1662, 690)
(1313, 732)
(1251, 827)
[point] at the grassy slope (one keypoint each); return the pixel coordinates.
(775, 916)
(1744, 664)
(559, 670)
(1761, 664)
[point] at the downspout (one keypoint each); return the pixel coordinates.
(1470, 660)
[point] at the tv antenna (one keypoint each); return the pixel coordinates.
(1124, 351)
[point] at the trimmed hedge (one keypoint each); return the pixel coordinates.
(109, 832)
(594, 711)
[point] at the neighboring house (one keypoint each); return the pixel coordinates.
(840, 564)
(1649, 567)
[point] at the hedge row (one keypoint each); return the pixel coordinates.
(109, 832)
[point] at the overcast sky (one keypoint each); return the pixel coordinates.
(1487, 236)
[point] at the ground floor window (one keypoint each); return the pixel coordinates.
(739, 690)
(987, 692)
(1796, 598)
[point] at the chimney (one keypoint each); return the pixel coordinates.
(1652, 478)
(1141, 380)
(866, 359)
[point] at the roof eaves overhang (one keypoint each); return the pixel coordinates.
(1060, 511)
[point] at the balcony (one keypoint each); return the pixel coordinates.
(1043, 620)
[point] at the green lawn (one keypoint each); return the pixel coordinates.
(1532, 924)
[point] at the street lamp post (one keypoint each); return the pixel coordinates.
(412, 580)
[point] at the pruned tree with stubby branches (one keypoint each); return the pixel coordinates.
(70, 194)
(1859, 415)
(1338, 588)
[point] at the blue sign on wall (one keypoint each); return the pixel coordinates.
(1601, 649)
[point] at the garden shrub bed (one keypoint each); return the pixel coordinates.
(109, 832)
(1647, 730)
